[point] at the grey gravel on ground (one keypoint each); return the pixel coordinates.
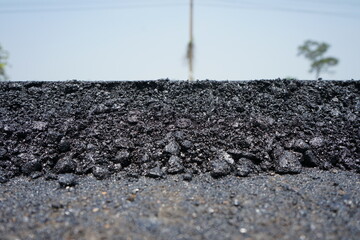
(314, 204)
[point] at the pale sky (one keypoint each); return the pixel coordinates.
(146, 39)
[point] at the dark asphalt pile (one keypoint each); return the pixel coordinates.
(161, 128)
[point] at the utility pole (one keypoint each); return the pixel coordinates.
(190, 50)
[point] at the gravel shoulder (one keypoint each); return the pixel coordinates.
(314, 204)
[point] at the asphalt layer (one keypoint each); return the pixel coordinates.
(159, 128)
(166, 159)
(311, 205)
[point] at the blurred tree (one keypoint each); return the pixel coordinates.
(290, 78)
(3, 62)
(314, 51)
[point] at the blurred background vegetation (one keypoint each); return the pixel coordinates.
(3, 62)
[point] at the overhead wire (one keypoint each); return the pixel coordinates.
(305, 6)
(288, 4)
(79, 2)
(322, 2)
(305, 9)
(331, 2)
(101, 6)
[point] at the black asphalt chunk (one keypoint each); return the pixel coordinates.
(31, 166)
(175, 165)
(64, 146)
(155, 172)
(310, 159)
(122, 157)
(65, 165)
(288, 161)
(3, 177)
(220, 168)
(100, 172)
(172, 148)
(244, 167)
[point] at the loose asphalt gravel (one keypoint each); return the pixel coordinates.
(166, 159)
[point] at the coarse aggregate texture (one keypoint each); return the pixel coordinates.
(314, 204)
(166, 159)
(159, 128)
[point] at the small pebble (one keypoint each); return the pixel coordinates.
(236, 203)
(67, 180)
(243, 230)
(187, 177)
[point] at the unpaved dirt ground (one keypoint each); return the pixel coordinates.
(311, 205)
(180, 160)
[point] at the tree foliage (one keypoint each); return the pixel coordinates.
(3, 63)
(314, 51)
